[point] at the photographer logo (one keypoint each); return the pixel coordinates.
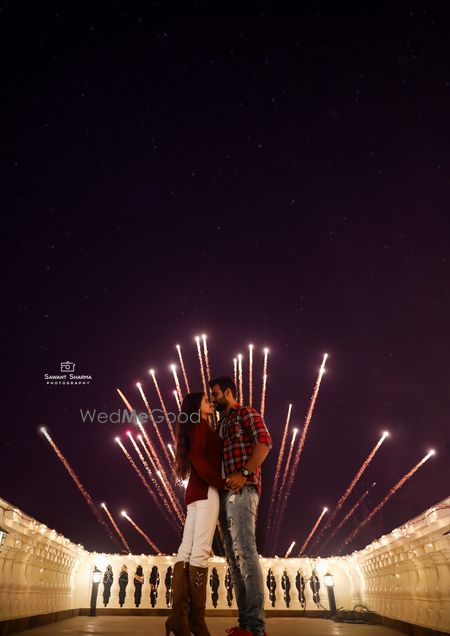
(67, 375)
(68, 367)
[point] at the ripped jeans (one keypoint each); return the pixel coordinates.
(237, 520)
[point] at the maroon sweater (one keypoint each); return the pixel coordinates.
(205, 454)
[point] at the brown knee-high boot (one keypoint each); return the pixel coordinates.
(177, 621)
(197, 596)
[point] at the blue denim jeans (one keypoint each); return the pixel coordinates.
(237, 520)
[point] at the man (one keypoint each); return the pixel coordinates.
(246, 445)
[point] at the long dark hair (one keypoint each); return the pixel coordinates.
(191, 404)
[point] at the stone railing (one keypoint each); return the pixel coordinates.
(404, 575)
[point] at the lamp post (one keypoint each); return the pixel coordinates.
(96, 578)
(329, 584)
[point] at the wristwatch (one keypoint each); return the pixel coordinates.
(245, 471)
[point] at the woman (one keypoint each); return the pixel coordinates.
(199, 457)
(108, 580)
(123, 582)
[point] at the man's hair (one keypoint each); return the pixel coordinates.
(225, 382)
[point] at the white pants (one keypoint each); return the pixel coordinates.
(199, 527)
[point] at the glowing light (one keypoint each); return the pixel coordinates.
(352, 484)
(289, 550)
(144, 481)
(177, 384)
(385, 499)
(264, 382)
(235, 372)
(76, 480)
(308, 418)
(240, 379)
(163, 406)
(311, 534)
(169, 446)
(202, 368)
(183, 369)
(141, 532)
(116, 527)
(157, 431)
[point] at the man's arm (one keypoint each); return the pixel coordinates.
(259, 453)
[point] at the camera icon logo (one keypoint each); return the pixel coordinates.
(68, 367)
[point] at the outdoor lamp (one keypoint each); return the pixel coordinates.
(328, 579)
(96, 578)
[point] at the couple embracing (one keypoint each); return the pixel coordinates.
(224, 470)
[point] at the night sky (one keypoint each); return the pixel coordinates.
(276, 180)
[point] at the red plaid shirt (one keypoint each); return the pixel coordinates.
(241, 430)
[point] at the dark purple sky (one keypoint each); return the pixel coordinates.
(266, 179)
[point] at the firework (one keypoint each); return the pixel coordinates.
(235, 373)
(352, 485)
(166, 483)
(163, 406)
(277, 473)
(240, 379)
(250, 375)
(347, 517)
(264, 382)
(202, 368)
(311, 534)
(177, 383)
(183, 369)
(289, 550)
(77, 482)
(301, 444)
(149, 472)
(152, 419)
(386, 498)
(177, 400)
(116, 527)
(142, 478)
(141, 532)
(170, 447)
(206, 355)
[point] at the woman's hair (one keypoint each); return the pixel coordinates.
(191, 404)
(139, 570)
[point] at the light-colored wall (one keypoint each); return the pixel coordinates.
(404, 575)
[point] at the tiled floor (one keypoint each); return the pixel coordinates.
(154, 626)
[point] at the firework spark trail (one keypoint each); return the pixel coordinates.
(240, 379)
(202, 368)
(301, 445)
(77, 482)
(311, 534)
(149, 472)
(177, 383)
(346, 518)
(127, 404)
(141, 532)
(206, 355)
(250, 375)
(277, 474)
(170, 447)
(143, 480)
(289, 550)
(352, 485)
(264, 382)
(116, 527)
(183, 369)
(177, 400)
(235, 371)
(385, 499)
(163, 406)
(152, 419)
(166, 483)
(283, 482)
